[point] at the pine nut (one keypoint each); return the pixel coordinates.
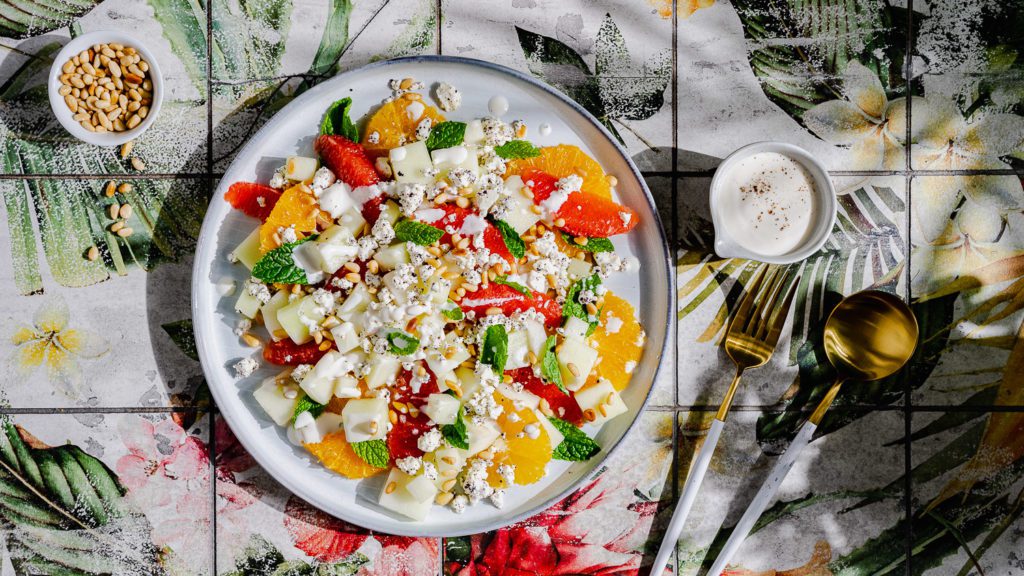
(116, 226)
(560, 222)
(125, 211)
(448, 485)
(144, 111)
(351, 267)
(138, 164)
(88, 125)
(64, 91)
(93, 253)
(125, 187)
(573, 369)
(250, 340)
(612, 180)
(134, 121)
(126, 148)
(110, 189)
(113, 210)
(68, 67)
(443, 498)
(390, 487)
(406, 84)
(589, 415)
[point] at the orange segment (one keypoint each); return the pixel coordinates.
(619, 341)
(395, 124)
(528, 455)
(563, 160)
(297, 206)
(336, 453)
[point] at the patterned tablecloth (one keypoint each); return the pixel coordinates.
(114, 460)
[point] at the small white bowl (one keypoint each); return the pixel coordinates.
(727, 247)
(64, 114)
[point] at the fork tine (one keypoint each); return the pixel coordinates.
(771, 298)
(779, 319)
(760, 306)
(742, 315)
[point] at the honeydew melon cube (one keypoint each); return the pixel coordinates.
(365, 419)
(481, 435)
(305, 428)
(439, 289)
(443, 368)
(390, 212)
(355, 304)
(421, 489)
(520, 215)
(520, 398)
(270, 396)
(384, 369)
(329, 423)
(576, 327)
(337, 247)
(400, 500)
(603, 399)
(270, 310)
(347, 386)
(247, 305)
(448, 460)
(352, 221)
(410, 163)
(297, 316)
(320, 381)
(578, 269)
(299, 168)
(518, 350)
(536, 335)
(248, 252)
(469, 381)
(389, 257)
(554, 435)
(575, 351)
(308, 257)
(345, 337)
(442, 408)
(474, 134)
(391, 281)
(336, 199)
(446, 159)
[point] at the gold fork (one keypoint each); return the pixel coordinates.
(749, 341)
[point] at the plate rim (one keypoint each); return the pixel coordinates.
(208, 233)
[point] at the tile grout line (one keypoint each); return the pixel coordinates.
(673, 250)
(908, 411)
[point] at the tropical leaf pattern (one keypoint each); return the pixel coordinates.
(949, 234)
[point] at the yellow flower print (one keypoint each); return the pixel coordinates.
(866, 121)
(50, 341)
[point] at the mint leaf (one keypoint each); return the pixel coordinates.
(572, 306)
(576, 446)
(503, 279)
(517, 149)
(373, 452)
(592, 245)
(417, 232)
(446, 135)
(278, 265)
(513, 242)
(451, 311)
(402, 343)
(456, 434)
(495, 348)
(549, 365)
(336, 120)
(307, 404)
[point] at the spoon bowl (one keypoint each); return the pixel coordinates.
(870, 335)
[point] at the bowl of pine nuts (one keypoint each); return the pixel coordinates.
(105, 88)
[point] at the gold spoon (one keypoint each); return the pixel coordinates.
(868, 336)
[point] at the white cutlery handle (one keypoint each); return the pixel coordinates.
(690, 489)
(764, 497)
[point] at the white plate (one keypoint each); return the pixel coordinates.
(291, 132)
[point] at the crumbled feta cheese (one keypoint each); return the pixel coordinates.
(430, 471)
(410, 196)
(496, 132)
(629, 367)
(242, 326)
(383, 232)
(482, 404)
(324, 299)
(625, 217)
(607, 263)
(322, 178)
(498, 499)
(373, 137)
(288, 234)
(532, 430)
(461, 177)
(423, 128)
(507, 472)
(300, 371)
(475, 483)
(367, 246)
(430, 440)
(448, 97)
(257, 290)
(459, 504)
(278, 180)
(410, 464)
(245, 367)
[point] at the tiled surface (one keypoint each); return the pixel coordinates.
(916, 474)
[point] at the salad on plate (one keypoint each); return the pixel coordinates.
(433, 292)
